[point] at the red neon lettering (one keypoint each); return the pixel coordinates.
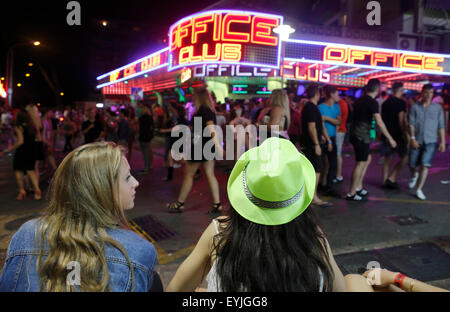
(227, 35)
(185, 50)
(114, 76)
(431, 63)
(324, 77)
(200, 26)
(231, 52)
(340, 57)
(215, 56)
(129, 70)
(282, 71)
(217, 26)
(312, 78)
(406, 57)
(193, 58)
(356, 55)
(261, 30)
(174, 37)
(146, 64)
(380, 57)
(297, 73)
(183, 31)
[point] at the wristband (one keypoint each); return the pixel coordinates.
(329, 142)
(398, 280)
(413, 137)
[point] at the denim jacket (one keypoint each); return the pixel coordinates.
(20, 273)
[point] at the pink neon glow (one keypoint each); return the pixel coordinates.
(388, 74)
(350, 70)
(404, 76)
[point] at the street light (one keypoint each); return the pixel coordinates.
(27, 75)
(62, 93)
(283, 32)
(30, 64)
(19, 84)
(10, 69)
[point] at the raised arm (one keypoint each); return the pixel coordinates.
(193, 270)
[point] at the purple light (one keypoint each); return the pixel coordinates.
(113, 108)
(122, 107)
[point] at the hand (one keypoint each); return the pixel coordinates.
(322, 140)
(318, 150)
(393, 143)
(330, 147)
(380, 277)
(414, 144)
(442, 147)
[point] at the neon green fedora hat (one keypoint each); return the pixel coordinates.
(271, 184)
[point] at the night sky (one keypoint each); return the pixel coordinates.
(64, 51)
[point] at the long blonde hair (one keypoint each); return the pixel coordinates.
(84, 203)
(202, 97)
(33, 111)
(279, 98)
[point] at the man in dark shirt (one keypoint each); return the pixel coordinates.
(394, 117)
(146, 128)
(313, 135)
(92, 128)
(365, 108)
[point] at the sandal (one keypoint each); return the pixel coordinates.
(217, 208)
(37, 195)
(22, 195)
(176, 207)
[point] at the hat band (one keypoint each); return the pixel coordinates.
(268, 204)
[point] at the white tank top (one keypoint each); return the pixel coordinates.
(213, 280)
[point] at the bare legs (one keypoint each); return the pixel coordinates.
(358, 175)
(422, 177)
(387, 163)
(339, 166)
(33, 178)
(189, 173)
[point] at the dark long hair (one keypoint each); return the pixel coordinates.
(24, 120)
(261, 258)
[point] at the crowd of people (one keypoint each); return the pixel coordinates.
(270, 240)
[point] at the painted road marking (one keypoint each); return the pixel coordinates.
(163, 256)
(412, 201)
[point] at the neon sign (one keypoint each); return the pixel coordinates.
(237, 37)
(144, 65)
(305, 72)
(186, 74)
(229, 70)
(367, 57)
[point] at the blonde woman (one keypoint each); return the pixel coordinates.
(33, 111)
(82, 242)
(206, 116)
(279, 113)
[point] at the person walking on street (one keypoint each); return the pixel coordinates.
(365, 109)
(314, 134)
(340, 136)
(394, 117)
(426, 120)
(331, 115)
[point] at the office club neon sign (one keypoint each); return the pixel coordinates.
(367, 57)
(236, 37)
